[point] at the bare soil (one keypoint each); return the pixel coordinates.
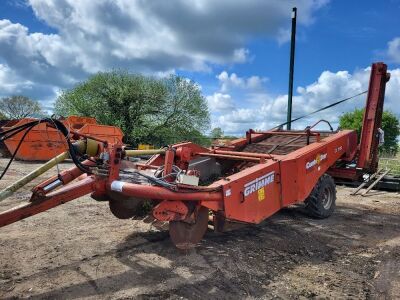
(80, 250)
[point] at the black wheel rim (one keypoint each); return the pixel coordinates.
(327, 198)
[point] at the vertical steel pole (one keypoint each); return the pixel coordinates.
(291, 68)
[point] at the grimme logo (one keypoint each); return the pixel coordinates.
(318, 159)
(258, 183)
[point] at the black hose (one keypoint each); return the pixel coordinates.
(28, 127)
(170, 186)
(15, 153)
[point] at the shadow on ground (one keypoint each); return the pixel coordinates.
(287, 255)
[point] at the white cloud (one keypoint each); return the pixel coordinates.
(143, 36)
(35, 57)
(393, 50)
(266, 111)
(232, 81)
(219, 102)
(284, 35)
(241, 55)
(9, 82)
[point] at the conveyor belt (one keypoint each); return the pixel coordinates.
(281, 144)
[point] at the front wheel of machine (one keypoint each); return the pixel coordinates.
(185, 235)
(124, 207)
(322, 200)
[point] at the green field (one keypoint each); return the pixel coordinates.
(390, 162)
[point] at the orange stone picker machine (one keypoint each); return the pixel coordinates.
(189, 186)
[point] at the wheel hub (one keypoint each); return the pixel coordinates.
(327, 198)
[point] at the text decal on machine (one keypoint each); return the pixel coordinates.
(258, 183)
(319, 158)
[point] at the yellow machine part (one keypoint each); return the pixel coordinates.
(92, 147)
(145, 147)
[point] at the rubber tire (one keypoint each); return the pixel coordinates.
(119, 210)
(314, 203)
(123, 207)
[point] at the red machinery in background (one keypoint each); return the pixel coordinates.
(44, 142)
(248, 180)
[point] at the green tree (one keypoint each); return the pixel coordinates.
(217, 133)
(390, 125)
(149, 110)
(18, 107)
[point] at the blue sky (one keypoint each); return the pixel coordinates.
(346, 35)
(237, 51)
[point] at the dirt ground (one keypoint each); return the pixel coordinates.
(80, 250)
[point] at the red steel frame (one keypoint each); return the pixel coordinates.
(249, 195)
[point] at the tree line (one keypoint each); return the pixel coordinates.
(153, 110)
(19, 107)
(148, 109)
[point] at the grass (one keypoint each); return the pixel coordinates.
(392, 162)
